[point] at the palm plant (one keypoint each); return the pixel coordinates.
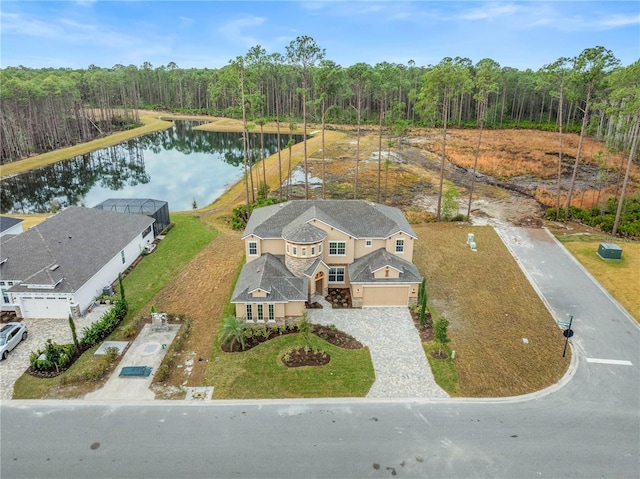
(232, 332)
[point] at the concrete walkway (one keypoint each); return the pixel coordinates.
(148, 349)
(401, 367)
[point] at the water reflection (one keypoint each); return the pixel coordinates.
(177, 165)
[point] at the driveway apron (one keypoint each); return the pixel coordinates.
(400, 365)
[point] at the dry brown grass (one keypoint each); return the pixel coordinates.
(491, 307)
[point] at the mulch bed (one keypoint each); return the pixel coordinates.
(426, 331)
(302, 357)
(330, 335)
(53, 373)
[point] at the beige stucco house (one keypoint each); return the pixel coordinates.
(297, 249)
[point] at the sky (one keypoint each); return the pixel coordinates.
(207, 34)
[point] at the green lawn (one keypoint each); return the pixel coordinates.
(260, 374)
(181, 245)
(444, 370)
(621, 278)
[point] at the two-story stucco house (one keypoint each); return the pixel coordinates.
(300, 248)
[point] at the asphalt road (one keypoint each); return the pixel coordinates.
(586, 426)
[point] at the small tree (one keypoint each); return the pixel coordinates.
(72, 325)
(121, 286)
(194, 207)
(423, 309)
(440, 333)
(305, 328)
(233, 332)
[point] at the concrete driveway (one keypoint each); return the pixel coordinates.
(40, 330)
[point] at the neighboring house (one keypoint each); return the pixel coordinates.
(10, 226)
(61, 265)
(300, 248)
(157, 209)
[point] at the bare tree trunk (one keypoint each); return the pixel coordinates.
(482, 111)
(632, 152)
(559, 184)
(583, 130)
(445, 113)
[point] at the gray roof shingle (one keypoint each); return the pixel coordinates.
(357, 218)
(79, 240)
(362, 269)
(7, 222)
(269, 274)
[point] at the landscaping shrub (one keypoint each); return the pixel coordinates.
(99, 330)
(629, 219)
(54, 357)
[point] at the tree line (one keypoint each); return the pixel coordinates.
(590, 94)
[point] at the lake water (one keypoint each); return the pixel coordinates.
(176, 165)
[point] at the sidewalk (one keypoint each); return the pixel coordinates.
(148, 349)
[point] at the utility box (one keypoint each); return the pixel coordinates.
(609, 251)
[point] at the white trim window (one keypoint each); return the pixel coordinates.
(249, 310)
(320, 248)
(272, 312)
(260, 313)
(336, 274)
(313, 251)
(400, 245)
(253, 248)
(288, 248)
(122, 256)
(337, 248)
(368, 243)
(304, 251)
(295, 251)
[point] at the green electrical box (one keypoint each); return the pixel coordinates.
(609, 251)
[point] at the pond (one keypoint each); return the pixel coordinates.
(177, 165)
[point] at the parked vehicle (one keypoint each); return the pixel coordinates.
(10, 336)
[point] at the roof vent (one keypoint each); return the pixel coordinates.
(54, 267)
(4, 260)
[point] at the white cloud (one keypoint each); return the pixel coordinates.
(234, 30)
(620, 20)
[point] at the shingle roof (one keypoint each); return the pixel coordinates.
(7, 222)
(362, 269)
(304, 233)
(269, 274)
(357, 218)
(79, 240)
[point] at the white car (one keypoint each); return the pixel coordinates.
(10, 336)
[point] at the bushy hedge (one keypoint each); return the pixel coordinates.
(240, 216)
(107, 323)
(629, 219)
(53, 357)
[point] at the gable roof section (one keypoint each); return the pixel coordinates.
(269, 274)
(362, 269)
(80, 241)
(357, 218)
(6, 223)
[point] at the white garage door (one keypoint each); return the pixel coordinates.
(43, 307)
(385, 295)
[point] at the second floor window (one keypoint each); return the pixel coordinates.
(337, 248)
(399, 246)
(253, 248)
